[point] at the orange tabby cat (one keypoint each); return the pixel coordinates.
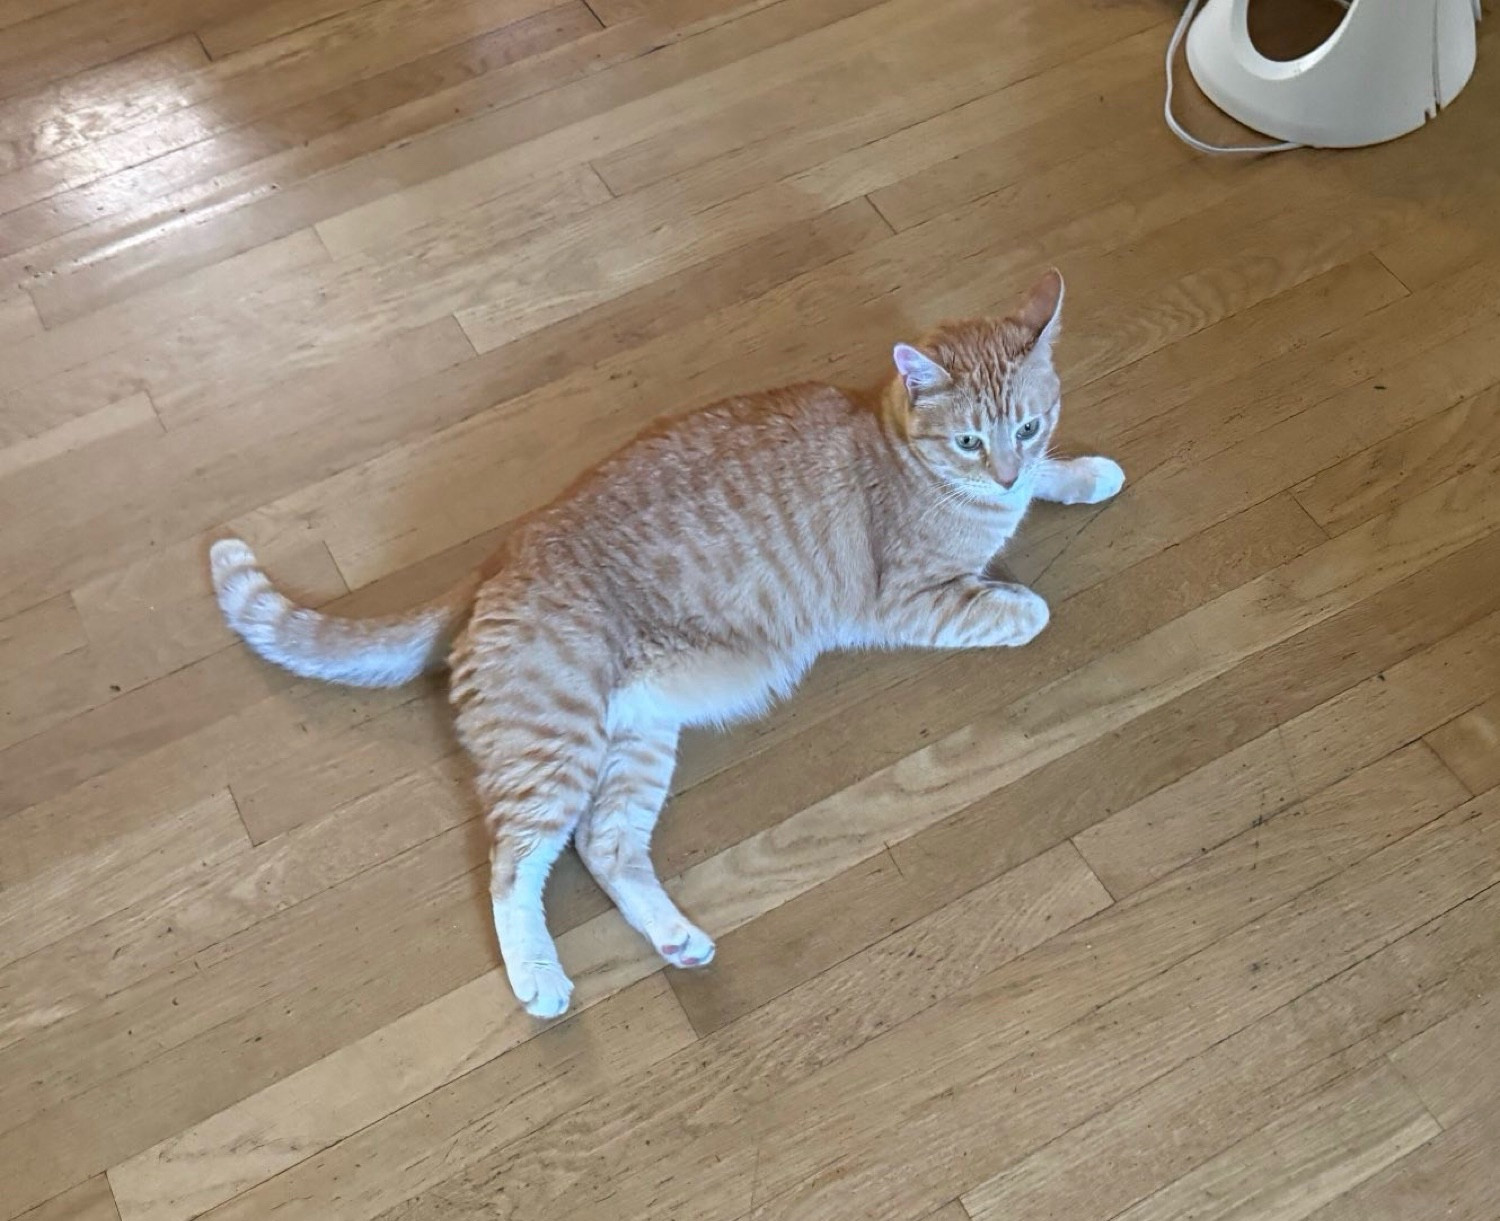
(692, 578)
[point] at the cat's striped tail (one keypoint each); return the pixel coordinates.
(377, 652)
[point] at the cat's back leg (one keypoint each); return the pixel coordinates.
(530, 708)
(614, 838)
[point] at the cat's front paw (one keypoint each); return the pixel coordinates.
(1098, 479)
(1029, 615)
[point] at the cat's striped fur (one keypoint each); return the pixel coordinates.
(692, 578)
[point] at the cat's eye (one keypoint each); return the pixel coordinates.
(1028, 430)
(969, 442)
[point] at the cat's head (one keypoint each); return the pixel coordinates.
(982, 396)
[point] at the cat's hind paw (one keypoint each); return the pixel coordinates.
(686, 946)
(543, 988)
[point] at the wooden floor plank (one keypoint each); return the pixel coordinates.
(239, 31)
(1047, 990)
(18, 318)
(1451, 1177)
(846, 128)
(635, 395)
(425, 134)
(100, 236)
(47, 631)
(1020, 909)
(205, 902)
(804, 303)
(139, 631)
(153, 1184)
(89, 1201)
(1125, 1154)
(773, 126)
(41, 374)
(905, 1176)
(1254, 782)
(1190, 731)
(1452, 1065)
(568, 1064)
(1305, 1157)
(78, 110)
(207, 96)
(89, 887)
(1390, 471)
(126, 415)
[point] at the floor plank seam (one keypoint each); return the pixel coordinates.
(1443, 763)
(593, 168)
(594, 13)
(869, 198)
(239, 812)
(1415, 1087)
(1391, 272)
(1297, 500)
(1093, 869)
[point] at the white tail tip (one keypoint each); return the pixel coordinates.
(228, 554)
(250, 605)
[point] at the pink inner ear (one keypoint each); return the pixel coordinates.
(918, 370)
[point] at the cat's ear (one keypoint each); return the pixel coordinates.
(1040, 315)
(920, 372)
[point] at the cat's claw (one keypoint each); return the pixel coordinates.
(686, 946)
(543, 988)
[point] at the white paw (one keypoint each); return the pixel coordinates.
(685, 945)
(1029, 615)
(542, 987)
(1100, 478)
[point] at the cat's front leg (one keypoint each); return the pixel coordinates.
(1079, 481)
(968, 612)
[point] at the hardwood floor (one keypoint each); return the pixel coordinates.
(1187, 910)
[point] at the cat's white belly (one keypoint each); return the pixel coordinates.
(715, 687)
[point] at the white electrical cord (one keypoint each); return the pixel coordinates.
(1192, 141)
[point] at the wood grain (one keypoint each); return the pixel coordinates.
(1451, 1176)
(1195, 1112)
(1307, 1156)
